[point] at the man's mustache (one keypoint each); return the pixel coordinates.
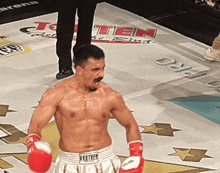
(98, 79)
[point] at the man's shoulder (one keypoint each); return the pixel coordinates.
(106, 87)
(56, 90)
(108, 90)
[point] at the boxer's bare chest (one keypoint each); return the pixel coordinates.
(94, 103)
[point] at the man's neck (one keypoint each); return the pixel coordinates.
(82, 87)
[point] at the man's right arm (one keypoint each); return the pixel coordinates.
(39, 153)
(44, 112)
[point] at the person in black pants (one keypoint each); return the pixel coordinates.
(65, 28)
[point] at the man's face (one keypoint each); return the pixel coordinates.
(93, 72)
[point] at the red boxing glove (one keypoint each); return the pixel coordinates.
(134, 163)
(39, 154)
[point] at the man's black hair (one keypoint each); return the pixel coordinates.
(84, 52)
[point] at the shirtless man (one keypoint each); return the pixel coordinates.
(82, 106)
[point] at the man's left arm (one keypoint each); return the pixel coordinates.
(135, 163)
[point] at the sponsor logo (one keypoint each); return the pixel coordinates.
(11, 7)
(8, 48)
(189, 71)
(100, 33)
(88, 158)
(179, 67)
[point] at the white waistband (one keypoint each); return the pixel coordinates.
(91, 157)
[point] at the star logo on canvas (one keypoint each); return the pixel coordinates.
(3, 37)
(4, 109)
(192, 155)
(161, 129)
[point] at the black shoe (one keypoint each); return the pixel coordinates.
(64, 72)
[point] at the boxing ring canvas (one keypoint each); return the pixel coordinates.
(170, 88)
